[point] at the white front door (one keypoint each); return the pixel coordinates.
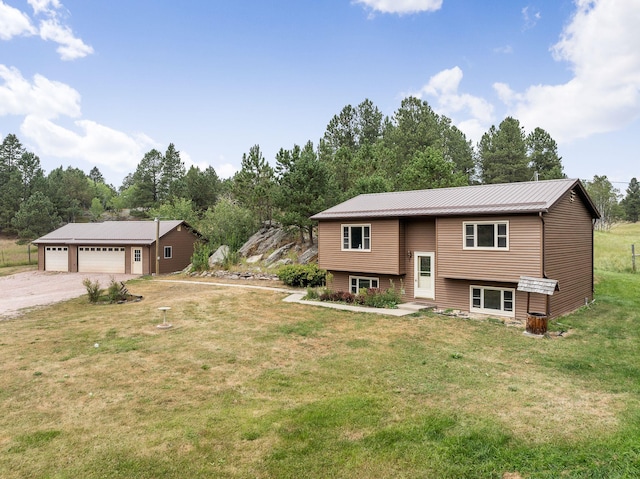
(136, 260)
(423, 286)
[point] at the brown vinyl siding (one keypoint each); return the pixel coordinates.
(384, 257)
(180, 238)
(455, 294)
(182, 249)
(420, 237)
(522, 258)
(41, 249)
(569, 253)
(340, 280)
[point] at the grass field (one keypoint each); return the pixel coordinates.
(13, 254)
(246, 386)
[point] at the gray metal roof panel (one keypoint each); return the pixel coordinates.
(109, 232)
(511, 198)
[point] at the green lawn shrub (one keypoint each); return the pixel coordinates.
(302, 275)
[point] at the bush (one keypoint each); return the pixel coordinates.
(302, 275)
(377, 298)
(114, 291)
(200, 257)
(230, 259)
(93, 290)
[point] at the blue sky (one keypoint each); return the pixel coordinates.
(99, 83)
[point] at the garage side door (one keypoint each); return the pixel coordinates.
(101, 259)
(56, 258)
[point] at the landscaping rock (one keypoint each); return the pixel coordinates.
(254, 259)
(219, 256)
(310, 255)
(268, 238)
(279, 253)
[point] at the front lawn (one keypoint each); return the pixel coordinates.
(247, 386)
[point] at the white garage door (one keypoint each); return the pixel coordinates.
(56, 258)
(100, 259)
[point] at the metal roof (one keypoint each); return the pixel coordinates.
(503, 198)
(109, 232)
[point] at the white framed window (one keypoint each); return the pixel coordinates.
(489, 300)
(486, 235)
(356, 237)
(168, 252)
(362, 282)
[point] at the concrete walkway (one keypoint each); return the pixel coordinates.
(295, 296)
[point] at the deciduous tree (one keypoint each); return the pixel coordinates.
(605, 197)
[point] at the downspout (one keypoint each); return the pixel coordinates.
(542, 252)
(593, 289)
(542, 257)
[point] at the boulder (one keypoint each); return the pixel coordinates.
(219, 256)
(279, 253)
(309, 255)
(254, 259)
(267, 238)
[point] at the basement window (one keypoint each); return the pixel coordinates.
(499, 301)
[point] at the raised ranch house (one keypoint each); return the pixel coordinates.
(466, 248)
(117, 247)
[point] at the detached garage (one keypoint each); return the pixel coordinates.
(117, 247)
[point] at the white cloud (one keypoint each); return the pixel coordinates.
(42, 97)
(225, 170)
(471, 114)
(530, 17)
(402, 6)
(600, 45)
(188, 161)
(70, 47)
(44, 6)
(94, 143)
(14, 23)
(506, 49)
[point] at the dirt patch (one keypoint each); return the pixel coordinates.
(23, 291)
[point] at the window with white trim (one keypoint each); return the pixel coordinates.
(356, 237)
(168, 252)
(362, 282)
(487, 300)
(486, 235)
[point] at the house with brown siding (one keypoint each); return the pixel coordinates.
(117, 247)
(466, 248)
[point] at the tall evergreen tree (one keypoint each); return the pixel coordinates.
(254, 184)
(147, 178)
(173, 171)
(10, 151)
(36, 217)
(305, 187)
(543, 155)
(503, 154)
(202, 187)
(429, 169)
(95, 175)
(69, 191)
(631, 202)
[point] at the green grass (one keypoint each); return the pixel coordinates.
(613, 248)
(14, 254)
(247, 386)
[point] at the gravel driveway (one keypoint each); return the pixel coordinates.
(39, 288)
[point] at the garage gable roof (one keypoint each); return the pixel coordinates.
(109, 232)
(503, 198)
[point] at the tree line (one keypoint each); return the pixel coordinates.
(361, 151)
